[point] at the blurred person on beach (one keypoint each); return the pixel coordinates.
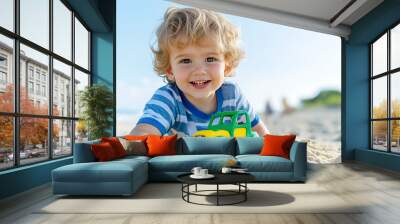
(196, 50)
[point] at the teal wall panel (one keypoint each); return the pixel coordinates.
(24, 178)
(91, 12)
(377, 158)
(375, 22)
(103, 63)
(356, 82)
(357, 99)
(102, 58)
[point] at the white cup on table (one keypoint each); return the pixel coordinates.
(196, 170)
(203, 172)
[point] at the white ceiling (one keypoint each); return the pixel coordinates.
(325, 16)
(320, 9)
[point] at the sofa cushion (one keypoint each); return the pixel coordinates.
(131, 158)
(185, 163)
(249, 145)
(257, 163)
(111, 171)
(202, 145)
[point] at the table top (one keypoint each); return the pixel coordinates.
(220, 178)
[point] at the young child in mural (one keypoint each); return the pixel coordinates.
(196, 50)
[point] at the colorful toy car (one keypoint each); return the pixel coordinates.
(227, 124)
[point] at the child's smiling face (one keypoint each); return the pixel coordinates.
(198, 69)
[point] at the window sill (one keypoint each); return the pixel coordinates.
(26, 167)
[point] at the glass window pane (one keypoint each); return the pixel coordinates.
(395, 94)
(379, 55)
(33, 139)
(6, 74)
(81, 81)
(379, 97)
(6, 142)
(62, 89)
(395, 136)
(62, 29)
(34, 97)
(81, 45)
(7, 14)
(395, 47)
(35, 21)
(81, 131)
(62, 136)
(379, 135)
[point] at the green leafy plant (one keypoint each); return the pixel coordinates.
(97, 105)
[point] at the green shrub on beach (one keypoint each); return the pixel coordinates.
(327, 98)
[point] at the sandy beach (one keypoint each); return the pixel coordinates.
(319, 127)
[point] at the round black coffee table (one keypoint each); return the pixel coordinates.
(239, 179)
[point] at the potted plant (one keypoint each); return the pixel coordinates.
(97, 105)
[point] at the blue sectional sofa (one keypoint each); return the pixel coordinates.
(125, 176)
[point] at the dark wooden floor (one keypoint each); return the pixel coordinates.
(378, 189)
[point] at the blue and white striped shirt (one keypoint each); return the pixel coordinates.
(170, 109)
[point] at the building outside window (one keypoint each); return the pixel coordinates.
(30, 87)
(37, 75)
(30, 72)
(3, 72)
(43, 77)
(3, 78)
(55, 96)
(3, 61)
(38, 89)
(43, 90)
(35, 78)
(385, 95)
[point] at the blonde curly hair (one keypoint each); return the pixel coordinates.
(185, 26)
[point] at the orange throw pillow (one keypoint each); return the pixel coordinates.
(275, 145)
(136, 137)
(116, 145)
(103, 151)
(161, 145)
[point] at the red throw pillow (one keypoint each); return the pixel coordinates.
(275, 145)
(161, 145)
(116, 145)
(103, 151)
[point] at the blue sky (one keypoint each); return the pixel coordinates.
(281, 62)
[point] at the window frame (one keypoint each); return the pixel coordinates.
(16, 115)
(388, 74)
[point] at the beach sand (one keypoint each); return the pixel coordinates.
(319, 127)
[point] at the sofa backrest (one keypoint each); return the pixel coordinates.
(202, 145)
(83, 152)
(249, 145)
(188, 146)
